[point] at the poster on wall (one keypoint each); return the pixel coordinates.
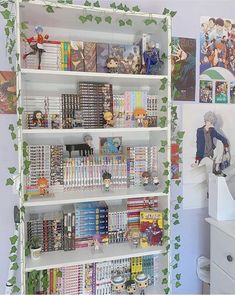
(183, 62)
(200, 156)
(217, 56)
(7, 92)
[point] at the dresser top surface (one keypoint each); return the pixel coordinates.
(227, 227)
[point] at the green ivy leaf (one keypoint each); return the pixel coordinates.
(175, 215)
(82, 18)
(175, 266)
(165, 173)
(13, 239)
(165, 11)
(177, 246)
(126, 8)
(163, 83)
(25, 145)
(163, 143)
(19, 122)
(6, 14)
(162, 150)
(164, 28)
(7, 31)
(177, 207)
(177, 182)
(15, 290)
(178, 141)
(26, 196)
(12, 170)
(178, 276)
(176, 222)
(9, 182)
(166, 164)
(180, 199)
(164, 56)
(69, 1)
(136, 8)
(97, 4)
(12, 258)
(22, 209)
(168, 247)
(121, 23)
(163, 109)
(25, 153)
(120, 7)
(164, 100)
(129, 22)
(87, 3)
(98, 19)
(177, 284)
(167, 290)
(173, 13)
(89, 17)
(166, 226)
(178, 238)
(26, 172)
(10, 23)
(27, 163)
(12, 280)
(11, 127)
(13, 249)
(24, 25)
(59, 273)
(113, 5)
(164, 281)
(180, 134)
(61, 1)
(4, 4)
(165, 238)
(147, 22)
(177, 257)
(14, 266)
(165, 271)
(108, 19)
(49, 9)
(20, 110)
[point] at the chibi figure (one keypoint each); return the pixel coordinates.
(43, 185)
(208, 153)
(135, 237)
(142, 281)
(140, 115)
(108, 117)
(96, 242)
(112, 64)
(88, 140)
(118, 283)
(130, 286)
(38, 119)
(107, 180)
(146, 177)
(155, 179)
(36, 44)
(152, 59)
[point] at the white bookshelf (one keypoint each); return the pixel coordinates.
(64, 24)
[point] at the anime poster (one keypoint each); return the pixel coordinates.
(208, 147)
(175, 170)
(221, 92)
(232, 92)
(183, 69)
(7, 92)
(206, 91)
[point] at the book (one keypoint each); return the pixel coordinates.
(102, 50)
(69, 227)
(77, 56)
(90, 56)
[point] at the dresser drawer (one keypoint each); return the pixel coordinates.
(223, 251)
(221, 283)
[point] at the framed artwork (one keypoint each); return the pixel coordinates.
(7, 92)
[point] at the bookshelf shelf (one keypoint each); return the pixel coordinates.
(68, 197)
(82, 256)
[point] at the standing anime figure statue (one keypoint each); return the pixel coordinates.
(36, 44)
(152, 59)
(118, 283)
(142, 281)
(43, 185)
(107, 180)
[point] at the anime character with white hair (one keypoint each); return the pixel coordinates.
(212, 147)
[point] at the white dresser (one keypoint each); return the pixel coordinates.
(222, 256)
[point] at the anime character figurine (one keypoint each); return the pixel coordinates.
(109, 118)
(112, 64)
(38, 119)
(146, 178)
(152, 59)
(140, 115)
(88, 140)
(36, 44)
(43, 185)
(107, 180)
(130, 286)
(155, 179)
(118, 283)
(97, 242)
(134, 237)
(142, 281)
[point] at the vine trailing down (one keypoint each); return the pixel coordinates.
(8, 8)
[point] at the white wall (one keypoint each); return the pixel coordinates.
(194, 231)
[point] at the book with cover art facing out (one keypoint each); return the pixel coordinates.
(76, 56)
(102, 50)
(90, 56)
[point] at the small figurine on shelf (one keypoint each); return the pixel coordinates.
(140, 116)
(142, 281)
(134, 237)
(97, 243)
(43, 186)
(155, 179)
(109, 118)
(38, 119)
(152, 59)
(130, 286)
(118, 283)
(146, 178)
(36, 44)
(107, 180)
(144, 241)
(112, 64)
(55, 121)
(88, 140)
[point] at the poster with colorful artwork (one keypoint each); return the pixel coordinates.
(7, 92)
(232, 92)
(175, 170)
(183, 62)
(217, 55)
(206, 91)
